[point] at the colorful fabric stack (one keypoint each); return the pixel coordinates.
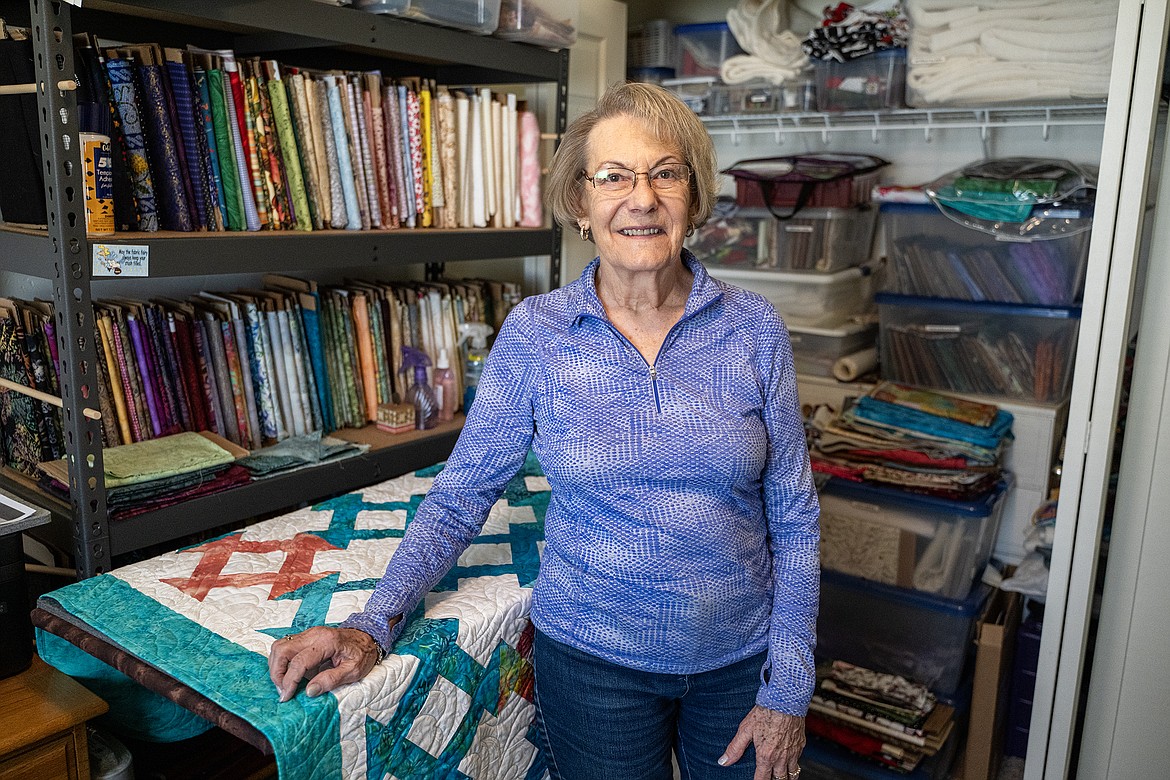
(153, 474)
(847, 32)
(916, 440)
(203, 140)
(255, 366)
(883, 718)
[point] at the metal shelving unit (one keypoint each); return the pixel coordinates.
(304, 32)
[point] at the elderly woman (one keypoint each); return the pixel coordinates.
(676, 602)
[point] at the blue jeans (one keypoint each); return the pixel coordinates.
(601, 721)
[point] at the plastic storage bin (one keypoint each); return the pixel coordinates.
(997, 349)
(815, 350)
(1023, 688)
(652, 45)
(477, 16)
(548, 23)
(802, 298)
(931, 254)
(702, 48)
(698, 93)
(906, 539)
(825, 240)
(873, 82)
(734, 242)
(921, 637)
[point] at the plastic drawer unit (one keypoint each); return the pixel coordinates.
(824, 300)
(477, 16)
(907, 539)
(873, 82)
(931, 254)
(994, 349)
(921, 637)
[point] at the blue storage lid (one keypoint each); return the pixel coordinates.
(908, 208)
(704, 27)
(880, 494)
(966, 609)
(1077, 210)
(983, 308)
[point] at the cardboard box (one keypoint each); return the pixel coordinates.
(995, 640)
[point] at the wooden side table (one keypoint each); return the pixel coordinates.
(42, 725)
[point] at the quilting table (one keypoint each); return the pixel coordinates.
(194, 626)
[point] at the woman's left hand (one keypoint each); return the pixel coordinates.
(779, 740)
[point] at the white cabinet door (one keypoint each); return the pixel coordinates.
(597, 60)
(1127, 159)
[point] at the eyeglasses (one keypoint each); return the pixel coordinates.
(618, 181)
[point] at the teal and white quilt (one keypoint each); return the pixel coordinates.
(454, 699)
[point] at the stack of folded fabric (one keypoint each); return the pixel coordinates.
(883, 718)
(149, 475)
(916, 440)
(847, 32)
(299, 452)
(997, 51)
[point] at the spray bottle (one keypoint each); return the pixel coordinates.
(475, 333)
(444, 379)
(426, 408)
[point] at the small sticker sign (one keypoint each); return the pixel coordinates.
(121, 260)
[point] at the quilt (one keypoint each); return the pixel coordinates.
(453, 699)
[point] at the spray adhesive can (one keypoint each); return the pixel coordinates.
(97, 164)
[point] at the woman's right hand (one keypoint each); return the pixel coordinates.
(328, 657)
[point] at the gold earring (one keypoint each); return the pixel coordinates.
(584, 231)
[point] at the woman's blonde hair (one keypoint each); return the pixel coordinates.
(671, 122)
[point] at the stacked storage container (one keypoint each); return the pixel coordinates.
(987, 304)
(804, 245)
(908, 522)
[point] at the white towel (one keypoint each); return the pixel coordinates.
(761, 27)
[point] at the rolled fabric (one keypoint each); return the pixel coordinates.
(849, 367)
(531, 214)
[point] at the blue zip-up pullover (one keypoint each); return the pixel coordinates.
(681, 534)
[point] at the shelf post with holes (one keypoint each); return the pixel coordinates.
(73, 309)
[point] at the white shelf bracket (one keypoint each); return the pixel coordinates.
(1046, 126)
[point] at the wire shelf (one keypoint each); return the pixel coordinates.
(926, 120)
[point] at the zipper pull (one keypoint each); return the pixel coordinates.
(653, 374)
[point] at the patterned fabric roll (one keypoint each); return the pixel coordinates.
(394, 151)
(216, 207)
(190, 130)
(304, 141)
(125, 96)
(226, 150)
(288, 147)
(531, 214)
(364, 158)
(339, 218)
(344, 164)
(163, 146)
(152, 403)
(116, 389)
(412, 204)
(414, 125)
(234, 102)
(448, 151)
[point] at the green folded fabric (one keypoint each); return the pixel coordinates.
(142, 461)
